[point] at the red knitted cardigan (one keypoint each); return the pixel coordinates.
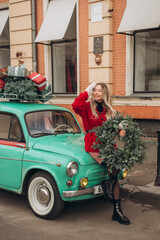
(82, 107)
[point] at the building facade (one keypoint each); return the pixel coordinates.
(75, 42)
(136, 76)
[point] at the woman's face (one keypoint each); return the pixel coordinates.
(98, 93)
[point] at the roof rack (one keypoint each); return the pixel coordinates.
(14, 97)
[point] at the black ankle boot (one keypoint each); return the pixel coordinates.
(118, 214)
(108, 187)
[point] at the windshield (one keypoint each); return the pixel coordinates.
(42, 123)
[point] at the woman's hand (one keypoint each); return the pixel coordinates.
(90, 88)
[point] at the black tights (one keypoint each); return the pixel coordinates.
(116, 192)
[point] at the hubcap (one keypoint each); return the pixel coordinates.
(43, 194)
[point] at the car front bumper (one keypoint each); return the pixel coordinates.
(96, 190)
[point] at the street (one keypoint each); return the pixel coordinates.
(83, 220)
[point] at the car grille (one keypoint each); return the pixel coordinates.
(97, 174)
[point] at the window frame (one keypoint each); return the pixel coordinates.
(45, 110)
(5, 6)
(134, 59)
(9, 139)
(52, 67)
(49, 56)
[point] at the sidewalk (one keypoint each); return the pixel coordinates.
(139, 184)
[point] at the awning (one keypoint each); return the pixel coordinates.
(4, 14)
(56, 20)
(140, 15)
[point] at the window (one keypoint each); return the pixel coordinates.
(4, 41)
(4, 126)
(65, 67)
(147, 61)
(59, 30)
(42, 123)
(10, 128)
(64, 61)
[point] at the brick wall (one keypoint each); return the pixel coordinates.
(119, 50)
(140, 112)
(4, 1)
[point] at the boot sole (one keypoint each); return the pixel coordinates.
(121, 221)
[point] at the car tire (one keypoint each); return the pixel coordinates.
(43, 196)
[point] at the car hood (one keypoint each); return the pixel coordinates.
(71, 146)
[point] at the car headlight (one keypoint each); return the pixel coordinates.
(72, 169)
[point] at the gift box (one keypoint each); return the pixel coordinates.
(2, 84)
(45, 94)
(39, 80)
(17, 71)
(5, 69)
(3, 72)
(3, 75)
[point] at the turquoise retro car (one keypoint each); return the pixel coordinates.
(42, 156)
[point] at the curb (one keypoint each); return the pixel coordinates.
(148, 193)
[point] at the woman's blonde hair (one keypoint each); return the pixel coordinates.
(106, 102)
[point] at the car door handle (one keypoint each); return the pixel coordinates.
(20, 145)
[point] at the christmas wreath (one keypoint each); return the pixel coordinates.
(117, 150)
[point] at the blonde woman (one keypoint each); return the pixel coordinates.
(93, 105)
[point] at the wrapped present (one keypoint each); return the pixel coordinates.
(2, 84)
(3, 75)
(45, 94)
(3, 72)
(5, 69)
(39, 80)
(17, 71)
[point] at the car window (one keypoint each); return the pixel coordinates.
(51, 122)
(10, 128)
(4, 126)
(15, 130)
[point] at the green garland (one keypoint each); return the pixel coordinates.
(23, 88)
(130, 147)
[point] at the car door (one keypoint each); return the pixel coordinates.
(12, 147)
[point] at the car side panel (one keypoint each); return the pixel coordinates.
(10, 166)
(55, 164)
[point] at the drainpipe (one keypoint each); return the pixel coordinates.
(33, 7)
(157, 181)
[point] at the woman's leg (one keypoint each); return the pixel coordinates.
(117, 213)
(111, 186)
(116, 190)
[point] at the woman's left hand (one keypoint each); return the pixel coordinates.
(90, 88)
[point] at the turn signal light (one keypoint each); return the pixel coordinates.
(69, 182)
(124, 174)
(84, 182)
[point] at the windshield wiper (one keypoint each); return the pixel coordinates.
(64, 131)
(42, 134)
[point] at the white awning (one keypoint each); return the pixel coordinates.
(140, 15)
(56, 20)
(4, 14)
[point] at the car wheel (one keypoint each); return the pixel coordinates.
(43, 196)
